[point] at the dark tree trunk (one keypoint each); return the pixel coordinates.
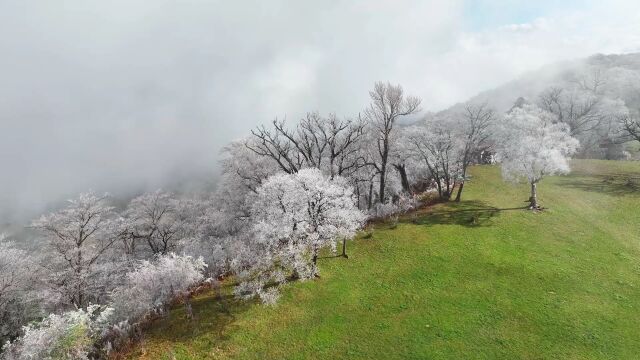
(358, 194)
(448, 188)
(403, 177)
(315, 263)
(383, 167)
(344, 248)
(370, 195)
(439, 185)
(382, 184)
(534, 196)
(459, 194)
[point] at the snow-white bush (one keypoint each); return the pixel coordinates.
(380, 211)
(71, 335)
(265, 286)
(154, 284)
(404, 204)
(408, 202)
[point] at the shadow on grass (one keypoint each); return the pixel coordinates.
(330, 256)
(618, 184)
(465, 213)
(214, 317)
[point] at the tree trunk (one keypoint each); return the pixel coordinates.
(382, 184)
(459, 195)
(534, 196)
(439, 185)
(383, 166)
(78, 274)
(315, 263)
(188, 309)
(448, 188)
(357, 188)
(344, 248)
(403, 177)
(370, 195)
(333, 175)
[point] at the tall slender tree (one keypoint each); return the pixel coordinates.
(388, 104)
(474, 136)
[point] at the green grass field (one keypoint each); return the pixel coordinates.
(481, 279)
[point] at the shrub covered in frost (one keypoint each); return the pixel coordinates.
(71, 335)
(403, 204)
(154, 284)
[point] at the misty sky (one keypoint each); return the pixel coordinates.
(108, 95)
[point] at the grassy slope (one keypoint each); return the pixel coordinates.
(461, 283)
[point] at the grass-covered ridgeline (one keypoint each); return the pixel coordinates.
(481, 279)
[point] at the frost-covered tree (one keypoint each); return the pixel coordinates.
(295, 216)
(400, 157)
(531, 144)
(217, 233)
(243, 169)
(223, 233)
(388, 104)
(306, 212)
(78, 238)
(15, 270)
(588, 108)
(327, 143)
(436, 145)
(154, 221)
(365, 177)
(575, 107)
(473, 136)
(17, 274)
(344, 139)
(446, 144)
(629, 126)
(154, 284)
(274, 143)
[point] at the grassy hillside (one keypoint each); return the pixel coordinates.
(477, 280)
